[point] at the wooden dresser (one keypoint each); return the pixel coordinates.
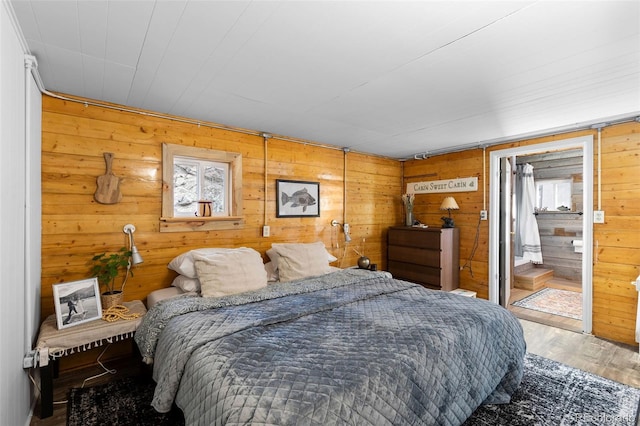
(426, 256)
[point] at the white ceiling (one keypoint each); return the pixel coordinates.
(392, 78)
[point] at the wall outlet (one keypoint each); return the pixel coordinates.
(43, 357)
(598, 216)
(29, 360)
(266, 231)
(483, 215)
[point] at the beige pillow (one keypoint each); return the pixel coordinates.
(183, 264)
(230, 272)
(272, 267)
(301, 260)
(186, 284)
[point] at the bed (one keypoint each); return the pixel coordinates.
(342, 347)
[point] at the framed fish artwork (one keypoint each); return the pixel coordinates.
(295, 198)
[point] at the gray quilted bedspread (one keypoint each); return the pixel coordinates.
(351, 347)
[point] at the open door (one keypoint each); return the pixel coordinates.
(500, 229)
(504, 268)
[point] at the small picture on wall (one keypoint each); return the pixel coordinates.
(77, 302)
(296, 198)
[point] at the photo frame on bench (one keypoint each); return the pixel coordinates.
(77, 302)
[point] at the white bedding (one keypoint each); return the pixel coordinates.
(164, 293)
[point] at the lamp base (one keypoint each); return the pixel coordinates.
(363, 262)
(448, 222)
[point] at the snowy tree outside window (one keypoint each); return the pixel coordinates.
(196, 180)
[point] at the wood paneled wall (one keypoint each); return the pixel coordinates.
(75, 226)
(616, 242)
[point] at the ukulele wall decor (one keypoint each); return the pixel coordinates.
(108, 191)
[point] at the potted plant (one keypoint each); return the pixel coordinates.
(106, 268)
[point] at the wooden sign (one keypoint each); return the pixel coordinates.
(108, 191)
(448, 185)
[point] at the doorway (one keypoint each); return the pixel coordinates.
(500, 262)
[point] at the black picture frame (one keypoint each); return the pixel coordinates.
(297, 198)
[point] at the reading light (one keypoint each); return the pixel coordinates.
(136, 258)
(449, 203)
(345, 228)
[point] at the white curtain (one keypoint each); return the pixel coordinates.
(527, 241)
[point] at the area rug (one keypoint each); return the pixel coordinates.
(550, 394)
(124, 402)
(554, 301)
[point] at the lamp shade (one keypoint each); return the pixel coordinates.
(449, 203)
(136, 258)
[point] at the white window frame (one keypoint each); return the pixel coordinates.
(232, 219)
(200, 164)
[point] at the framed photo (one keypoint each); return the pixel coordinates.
(77, 302)
(295, 198)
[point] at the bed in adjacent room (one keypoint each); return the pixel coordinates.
(337, 347)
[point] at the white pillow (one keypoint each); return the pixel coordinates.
(273, 255)
(183, 264)
(299, 260)
(230, 272)
(186, 284)
(272, 274)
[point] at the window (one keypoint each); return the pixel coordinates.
(192, 175)
(554, 195)
(195, 180)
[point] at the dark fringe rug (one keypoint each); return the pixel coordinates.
(125, 401)
(550, 394)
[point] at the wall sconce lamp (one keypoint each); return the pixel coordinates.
(345, 228)
(136, 258)
(449, 203)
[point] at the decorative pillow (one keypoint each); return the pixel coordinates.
(272, 269)
(229, 272)
(300, 260)
(272, 274)
(184, 264)
(186, 284)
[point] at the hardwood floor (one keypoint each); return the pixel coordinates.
(609, 359)
(612, 360)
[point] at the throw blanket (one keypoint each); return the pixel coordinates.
(350, 347)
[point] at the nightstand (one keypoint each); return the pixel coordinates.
(54, 344)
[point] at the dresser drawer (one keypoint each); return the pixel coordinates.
(412, 238)
(425, 275)
(415, 255)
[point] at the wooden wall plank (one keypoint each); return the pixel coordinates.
(616, 242)
(75, 227)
